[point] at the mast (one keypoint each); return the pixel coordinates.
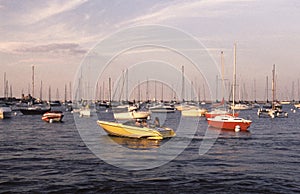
(192, 90)
(32, 93)
(65, 92)
(217, 87)
(4, 85)
(182, 89)
(139, 92)
(103, 91)
(70, 87)
(267, 89)
(234, 78)
(254, 90)
(126, 85)
(298, 90)
(204, 97)
(162, 92)
(147, 90)
(293, 91)
(10, 91)
(57, 94)
(222, 74)
(273, 87)
(109, 88)
(41, 91)
(154, 90)
(49, 93)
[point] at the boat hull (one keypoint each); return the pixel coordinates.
(162, 110)
(193, 112)
(229, 123)
(38, 111)
(5, 112)
(131, 115)
(213, 115)
(85, 113)
(241, 107)
(53, 117)
(118, 129)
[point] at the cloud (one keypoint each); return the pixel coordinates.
(186, 9)
(57, 48)
(52, 8)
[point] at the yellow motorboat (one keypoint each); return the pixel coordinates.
(133, 131)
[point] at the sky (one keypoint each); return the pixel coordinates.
(58, 37)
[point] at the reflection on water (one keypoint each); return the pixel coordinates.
(135, 143)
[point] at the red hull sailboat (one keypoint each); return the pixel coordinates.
(230, 122)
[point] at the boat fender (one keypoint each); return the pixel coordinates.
(51, 121)
(237, 128)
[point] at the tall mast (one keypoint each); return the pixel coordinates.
(139, 92)
(4, 85)
(49, 93)
(192, 86)
(267, 89)
(234, 78)
(126, 85)
(217, 87)
(70, 88)
(222, 73)
(57, 94)
(109, 88)
(255, 90)
(293, 91)
(154, 90)
(162, 92)
(147, 90)
(10, 91)
(204, 97)
(32, 93)
(182, 89)
(41, 91)
(66, 92)
(298, 90)
(273, 86)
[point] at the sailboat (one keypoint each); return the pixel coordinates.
(219, 108)
(276, 109)
(226, 121)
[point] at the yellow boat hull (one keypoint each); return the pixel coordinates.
(118, 129)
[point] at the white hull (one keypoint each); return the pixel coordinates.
(5, 112)
(131, 115)
(297, 106)
(85, 113)
(241, 107)
(194, 112)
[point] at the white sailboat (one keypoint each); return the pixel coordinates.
(275, 110)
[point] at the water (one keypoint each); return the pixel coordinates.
(40, 157)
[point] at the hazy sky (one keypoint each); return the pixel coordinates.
(55, 36)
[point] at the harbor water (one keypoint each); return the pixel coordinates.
(39, 157)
